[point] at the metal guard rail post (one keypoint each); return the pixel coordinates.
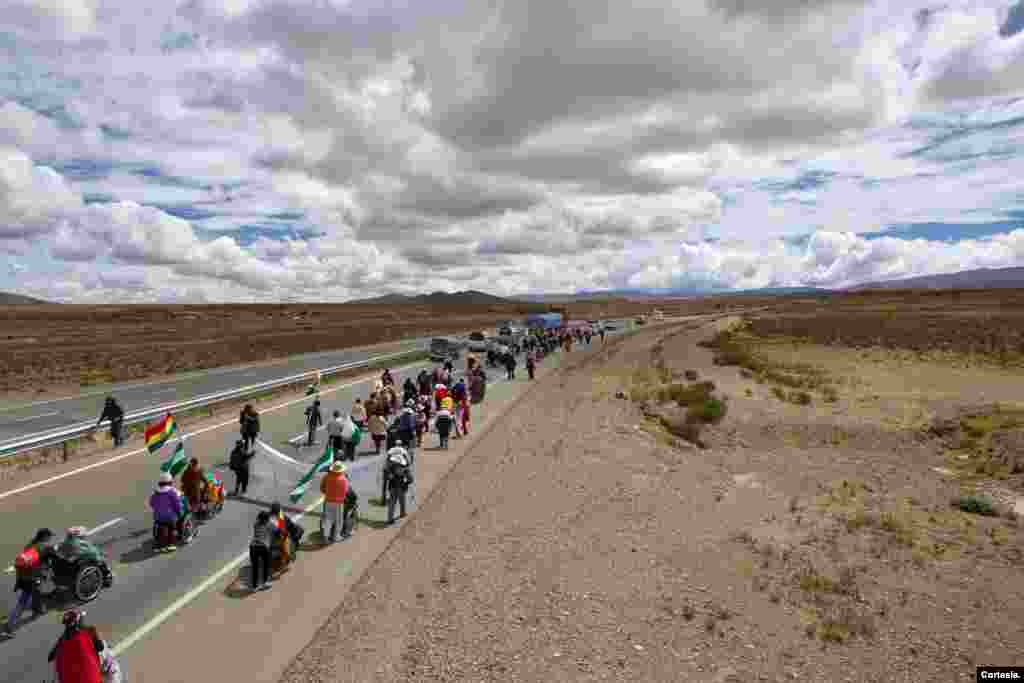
(54, 438)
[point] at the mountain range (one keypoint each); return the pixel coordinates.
(468, 297)
(7, 299)
(982, 278)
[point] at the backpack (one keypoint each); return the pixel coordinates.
(27, 560)
(237, 461)
(400, 476)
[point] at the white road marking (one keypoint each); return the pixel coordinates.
(278, 454)
(50, 480)
(36, 417)
(174, 607)
(105, 525)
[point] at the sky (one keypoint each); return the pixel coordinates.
(322, 150)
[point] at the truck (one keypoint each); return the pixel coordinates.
(545, 321)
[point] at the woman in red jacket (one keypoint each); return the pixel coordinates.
(76, 656)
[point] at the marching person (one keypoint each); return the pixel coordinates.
(334, 428)
(443, 424)
(358, 413)
(193, 481)
(350, 437)
(397, 480)
(407, 426)
(112, 411)
(76, 656)
(378, 430)
(249, 420)
(334, 487)
(314, 418)
(239, 463)
(531, 364)
(263, 535)
(29, 566)
(409, 390)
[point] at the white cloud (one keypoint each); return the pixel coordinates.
(505, 146)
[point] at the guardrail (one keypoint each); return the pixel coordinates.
(57, 437)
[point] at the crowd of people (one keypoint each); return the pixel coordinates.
(397, 419)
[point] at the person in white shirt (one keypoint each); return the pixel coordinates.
(334, 434)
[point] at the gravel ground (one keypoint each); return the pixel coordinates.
(572, 543)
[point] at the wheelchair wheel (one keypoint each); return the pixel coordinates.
(88, 583)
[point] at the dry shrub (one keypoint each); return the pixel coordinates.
(684, 429)
(691, 375)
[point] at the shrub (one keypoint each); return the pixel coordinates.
(977, 505)
(801, 398)
(691, 375)
(778, 393)
(710, 410)
(830, 394)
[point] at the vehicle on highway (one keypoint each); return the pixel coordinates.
(445, 348)
(477, 342)
(610, 327)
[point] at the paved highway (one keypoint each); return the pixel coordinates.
(19, 421)
(113, 498)
(117, 495)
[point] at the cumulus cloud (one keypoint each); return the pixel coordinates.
(285, 150)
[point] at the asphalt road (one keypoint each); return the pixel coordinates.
(19, 421)
(23, 420)
(115, 497)
(146, 582)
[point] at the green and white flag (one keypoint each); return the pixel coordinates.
(177, 462)
(321, 465)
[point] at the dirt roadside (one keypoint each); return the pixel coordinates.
(580, 541)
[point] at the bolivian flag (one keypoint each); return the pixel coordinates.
(177, 462)
(158, 433)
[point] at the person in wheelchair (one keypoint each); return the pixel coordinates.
(170, 515)
(75, 550)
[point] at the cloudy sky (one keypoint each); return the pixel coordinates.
(301, 150)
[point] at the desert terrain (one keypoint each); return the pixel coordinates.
(824, 492)
(56, 349)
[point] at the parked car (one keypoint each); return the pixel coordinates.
(443, 348)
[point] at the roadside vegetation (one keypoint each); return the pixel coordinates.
(790, 382)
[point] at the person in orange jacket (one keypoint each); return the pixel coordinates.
(334, 486)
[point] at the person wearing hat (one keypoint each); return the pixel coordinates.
(397, 478)
(77, 655)
(29, 568)
(168, 510)
(334, 487)
(334, 428)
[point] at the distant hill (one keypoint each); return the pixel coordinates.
(468, 297)
(982, 278)
(7, 299)
(661, 294)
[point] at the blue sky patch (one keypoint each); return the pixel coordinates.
(185, 211)
(946, 232)
(1014, 21)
